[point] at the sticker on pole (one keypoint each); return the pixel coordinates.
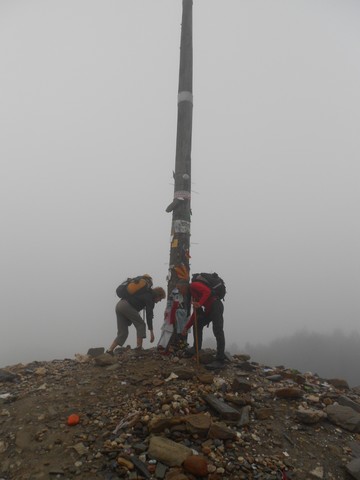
(181, 226)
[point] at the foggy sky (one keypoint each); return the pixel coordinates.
(88, 109)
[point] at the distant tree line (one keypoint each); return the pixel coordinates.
(332, 355)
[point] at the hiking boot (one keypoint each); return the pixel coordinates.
(221, 359)
(110, 352)
(119, 350)
(138, 350)
(216, 365)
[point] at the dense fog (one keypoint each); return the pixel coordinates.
(88, 129)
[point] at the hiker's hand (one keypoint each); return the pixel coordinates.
(184, 332)
(152, 338)
(196, 304)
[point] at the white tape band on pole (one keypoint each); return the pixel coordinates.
(185, 97)
(182, 194)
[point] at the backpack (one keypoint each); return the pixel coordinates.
(131, 286)
(213, 281)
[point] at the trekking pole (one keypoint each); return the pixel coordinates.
(196, 337)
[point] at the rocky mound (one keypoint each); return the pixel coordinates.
(143, 415)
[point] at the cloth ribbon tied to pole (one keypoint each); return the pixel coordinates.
(182, 272)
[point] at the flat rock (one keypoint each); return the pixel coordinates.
(225, 411)
(310, 416)
(355, 449)
(96, 351)
(274, 378)
(344, 417)
(160, 470)
(104, 360)
(168, 452)
(245, 366)
(159, 424)
(339, 383)
(353, 468)
(289, 393)
(347, 402)
(184, 373)
(140, 466)
(198, 423)
(241, 385)
(221, 432)
(206, 378)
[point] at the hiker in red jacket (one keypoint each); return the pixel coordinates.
(208, 308)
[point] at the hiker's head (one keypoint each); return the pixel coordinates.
(158, 294)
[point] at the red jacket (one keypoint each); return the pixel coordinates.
(202, 294)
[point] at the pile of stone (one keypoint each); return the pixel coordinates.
(144, 415)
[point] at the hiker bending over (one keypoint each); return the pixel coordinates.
(212, 311)
(127, 313)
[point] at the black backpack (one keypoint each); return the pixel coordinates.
(213, 281)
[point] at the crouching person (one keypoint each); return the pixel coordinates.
(209, 309)
(127, 313)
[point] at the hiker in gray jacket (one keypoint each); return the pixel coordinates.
(127, 313)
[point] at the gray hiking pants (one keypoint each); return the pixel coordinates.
(127, 315)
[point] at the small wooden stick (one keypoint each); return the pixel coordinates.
(196, 338)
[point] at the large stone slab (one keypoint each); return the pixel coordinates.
(198, 423)
(353, 468)
(95, 351)
(220, 431)
(355, 449)
(159, 424)
(347, 402)
(168, 452)
(225, 411)
(344, 417)
(310, 416)
(140, 466)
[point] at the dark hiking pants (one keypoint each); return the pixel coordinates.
(215, 316)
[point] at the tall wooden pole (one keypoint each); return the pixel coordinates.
(179, 268)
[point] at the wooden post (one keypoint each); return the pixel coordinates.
(196, 337)
(179, 267)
